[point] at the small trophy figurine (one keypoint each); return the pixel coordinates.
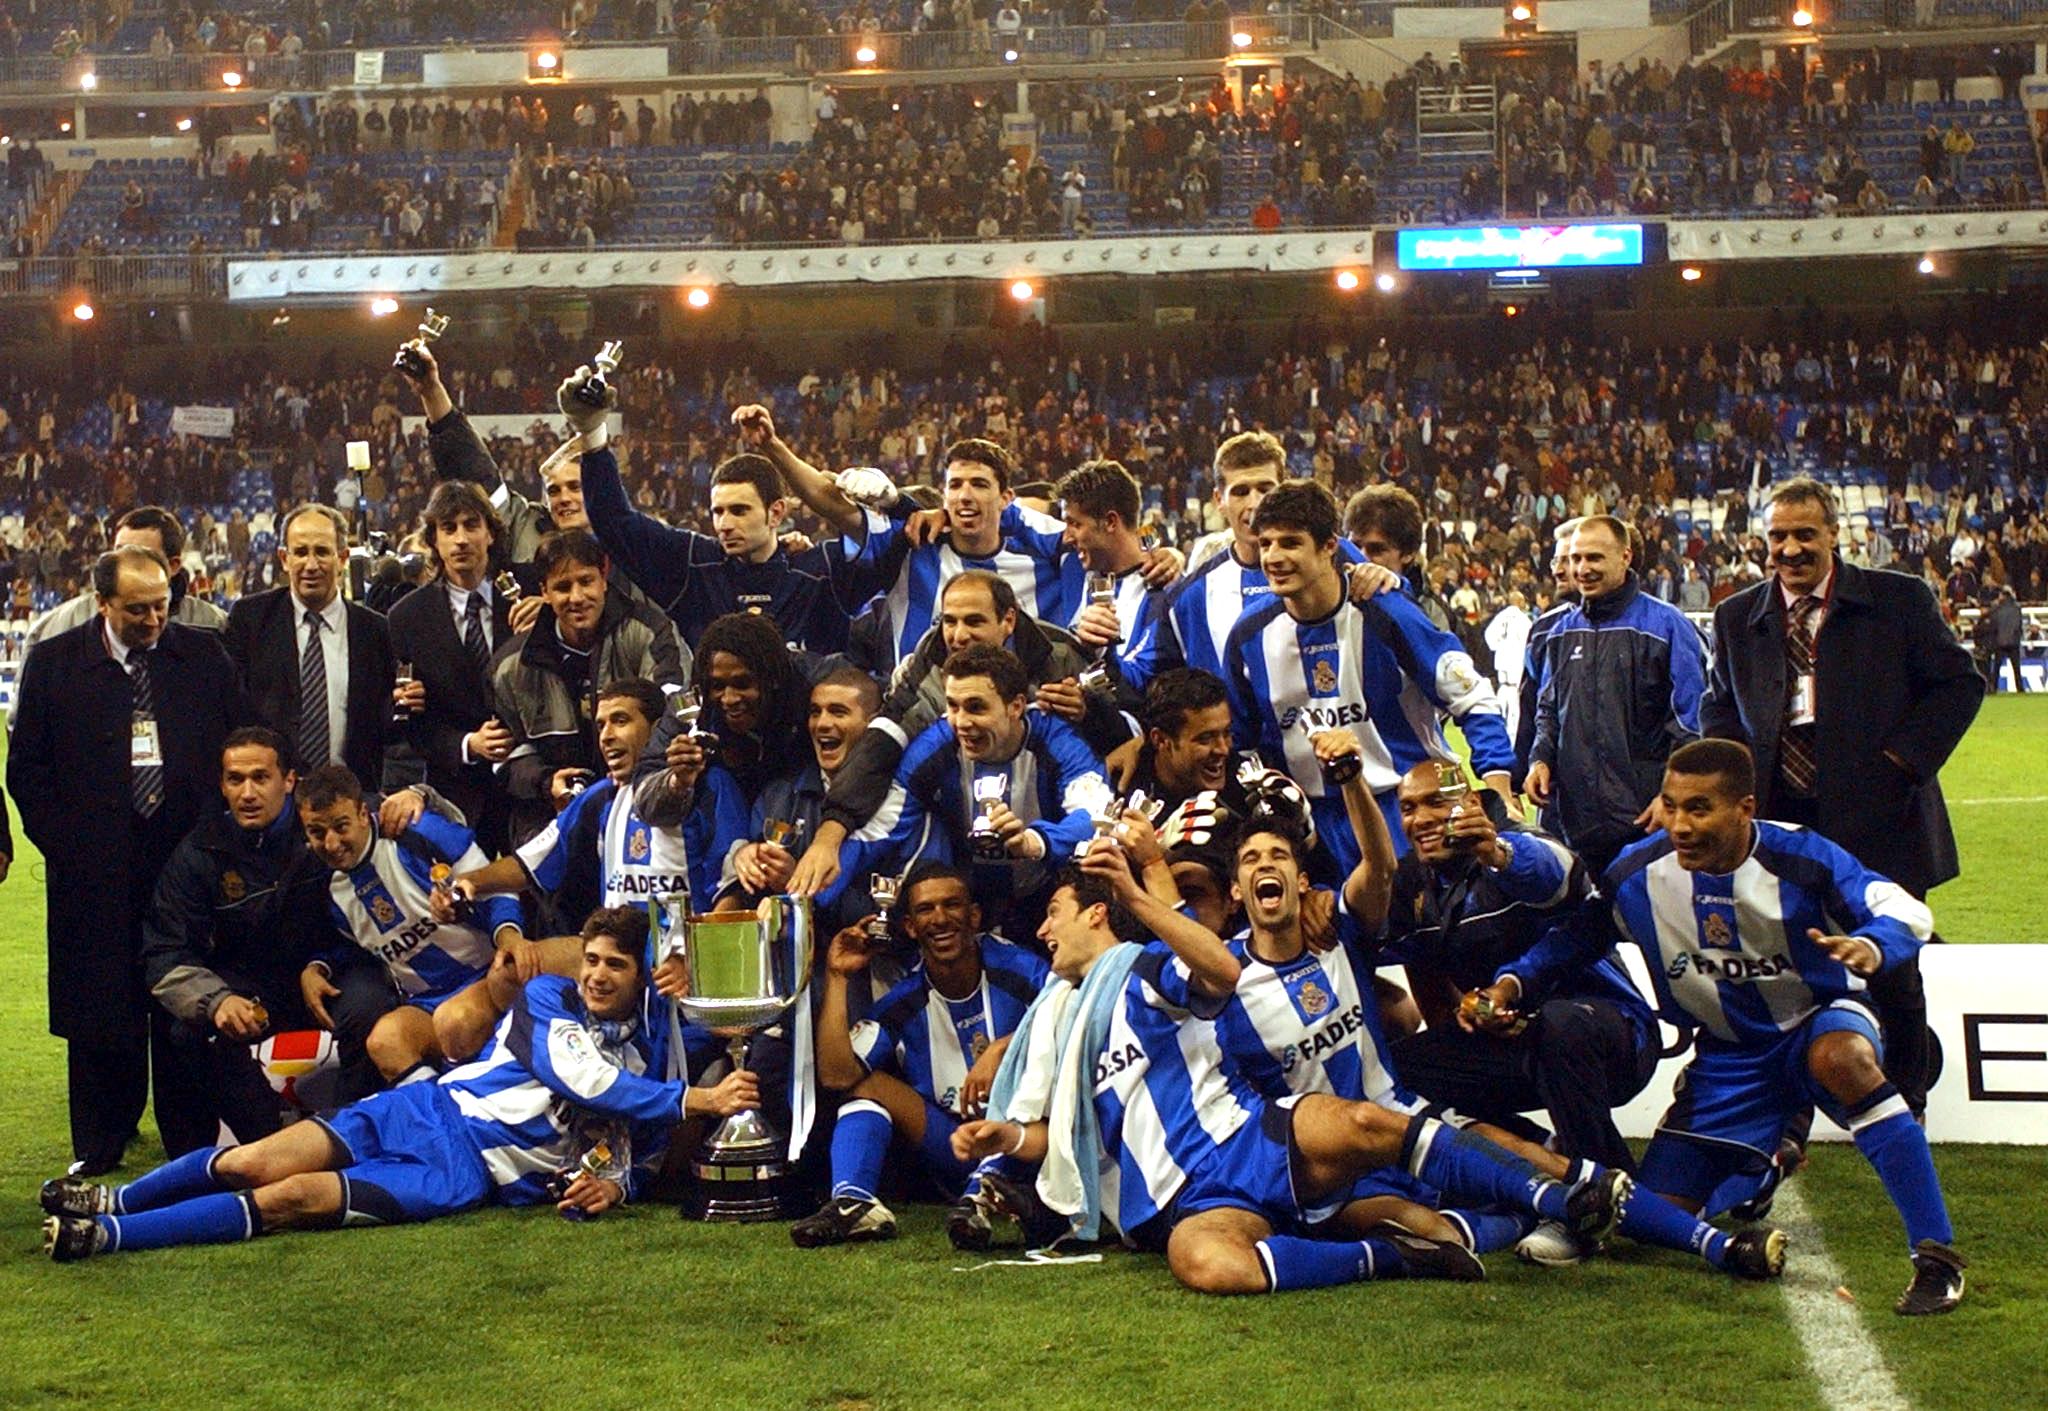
(409, 360)
(508, 587)
(882, 888)
(596, 387)
(1095, 679)
(688, 712)
(990, 791)
(1144, 803)
(1100, 591)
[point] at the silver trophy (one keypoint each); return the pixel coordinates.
(597, 386)
(688, 712)
(746, 969)
(1100, 589)
(990, 792)
(408, 360)
(883, 888)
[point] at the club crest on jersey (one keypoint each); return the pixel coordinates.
(232, 886)
(639, 841)
(1315, 1000)
(384, 912)
(980, 1046)
(1324, 678)
(1716, 931)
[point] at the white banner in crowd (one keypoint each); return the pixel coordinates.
(1988, 1006)
(498, 270)
(526, 426)
(1900, 233)
(203, 421)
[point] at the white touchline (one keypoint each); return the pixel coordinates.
(1850, 1370)
(2016, 798)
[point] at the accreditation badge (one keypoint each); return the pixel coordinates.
(145, 745)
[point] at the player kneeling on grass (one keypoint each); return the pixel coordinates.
(926, 1060)
(1108, 1085)
(557, 1107)
(1761, 939)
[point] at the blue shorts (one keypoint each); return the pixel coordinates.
(1253, 1170)
(1732, 1104)
(409, 1157)
(936, 1150)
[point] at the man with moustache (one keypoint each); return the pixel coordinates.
(1852, 692)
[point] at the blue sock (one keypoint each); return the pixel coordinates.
(860, 1139)
(1648, 1218)
(1472, 1168)
(1896, 1147)
(1295, 1263)
(1487, 1230)
(186, 1178)
(223, 1218)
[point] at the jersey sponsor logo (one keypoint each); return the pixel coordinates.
(1332, 1036)
(647, 884)
(232, 886)
(406, 941)
(1131, 1055)
(1315, 718)
(1735, 969)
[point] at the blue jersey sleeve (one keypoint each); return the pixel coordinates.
(1082, 790)
(1442, 667)
(549, 1039)
(1576, 942)
(719, 820)
(653, 555)
(1860, 902)
(547, 855)
(1540, 871)
(902, 829)
(1688, 677)
(1247, 714)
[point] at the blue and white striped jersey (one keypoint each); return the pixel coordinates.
(1310, 1025)
(381, 905)
(1054, 783)
(1380, 668)
(636, 860)
(931, 1041)
(1137, 617)
(1165, 1097)
(1196, 615)
(549, 1082)
(1033, 557)
(1729, 952)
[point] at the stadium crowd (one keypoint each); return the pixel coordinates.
(1141, 824)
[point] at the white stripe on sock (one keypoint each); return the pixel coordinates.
(1418, 1157)
(1893, 1106)
(1850, 1371)
(1266, 1260)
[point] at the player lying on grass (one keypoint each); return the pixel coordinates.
(924, 1061)
(1106, 1085)
(1761, 938)
(557, 1107)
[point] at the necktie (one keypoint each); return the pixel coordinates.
(1796, 759)
(314, 741)
(473, 640)
(146, 783)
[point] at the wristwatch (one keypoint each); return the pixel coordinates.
(1507, 854)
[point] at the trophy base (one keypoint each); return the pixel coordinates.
(741, 1174)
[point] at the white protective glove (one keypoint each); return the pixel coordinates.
(588, 422)
(866, 486)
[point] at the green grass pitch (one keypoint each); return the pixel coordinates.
(505, 1309)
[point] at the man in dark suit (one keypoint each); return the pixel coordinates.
(318, 670)
(1851, 692)
(116, 752)
(448, 631)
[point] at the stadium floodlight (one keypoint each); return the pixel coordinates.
(83, 311)
(1520, 21)
(382, 306)
(1023, 291)
(1009, 56)
(1385, 283)
(88, 81)
(184, 124)
(865, 54)
(1241, 38)
(698, 298)
(231, 79)
(1348, 280)
(1802, 18)
(543, 62)
(1690, 274)
(1521, 14)
(1926, 265)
